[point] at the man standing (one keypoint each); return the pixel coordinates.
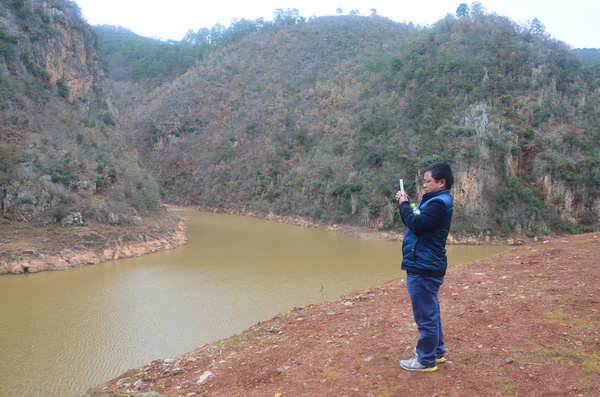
(425, 262)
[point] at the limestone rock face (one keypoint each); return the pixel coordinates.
(53, 36)
(54, 87)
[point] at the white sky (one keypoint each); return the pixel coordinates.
(575, 22)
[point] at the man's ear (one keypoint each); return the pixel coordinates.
(443, 180)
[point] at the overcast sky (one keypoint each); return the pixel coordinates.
(575, 22)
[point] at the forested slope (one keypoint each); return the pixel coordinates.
(320, 119)
(63, 162)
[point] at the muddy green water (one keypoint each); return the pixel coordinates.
(63, 332)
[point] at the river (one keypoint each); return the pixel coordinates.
(64, 332)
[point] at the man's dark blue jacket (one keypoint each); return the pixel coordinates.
(424, 245)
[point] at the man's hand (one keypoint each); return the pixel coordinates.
(401, 197)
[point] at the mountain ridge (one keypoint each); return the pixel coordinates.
(320, 118)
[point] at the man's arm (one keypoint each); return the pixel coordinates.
(427, 221)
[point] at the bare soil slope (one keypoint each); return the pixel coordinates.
(526, 322)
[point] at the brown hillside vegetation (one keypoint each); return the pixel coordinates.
(319, 120)
(525, 322)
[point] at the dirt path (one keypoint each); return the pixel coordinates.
(525, 322)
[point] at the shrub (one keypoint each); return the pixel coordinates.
(375, 159)
(102, 163)
(7, 44)
(337, 189)
(354, 187)
(66, 180)
(109, 119)
(338, 149)
(374, 209)
(506, 100)
(26, 200)
(228, 153)
(37, 71)
(588, 218)
(316, 185)
(560, 225)
(58, 213)
(9, 154)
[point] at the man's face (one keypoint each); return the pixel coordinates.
(430, 185)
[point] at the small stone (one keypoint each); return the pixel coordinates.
(509, 360)
(204, 377)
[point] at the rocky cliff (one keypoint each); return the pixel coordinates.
(50, 40)
(53, 79)
(63, 161)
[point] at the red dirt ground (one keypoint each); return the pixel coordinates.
(525, 323)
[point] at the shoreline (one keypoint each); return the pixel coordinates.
(33, 251)
(27, 256)
(363, 233)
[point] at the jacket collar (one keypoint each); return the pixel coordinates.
(429, 196)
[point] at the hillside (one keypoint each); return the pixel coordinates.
(525, 323)
(320, 118)
(136, 58)
(63, 161)
(313, 119)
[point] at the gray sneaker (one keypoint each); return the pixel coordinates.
(437, 359)
(413, 364)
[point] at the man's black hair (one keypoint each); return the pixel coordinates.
(441, 171)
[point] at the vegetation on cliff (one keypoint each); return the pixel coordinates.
(62, 157)
(320, 118)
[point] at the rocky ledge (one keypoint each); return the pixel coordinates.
(25, 248)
